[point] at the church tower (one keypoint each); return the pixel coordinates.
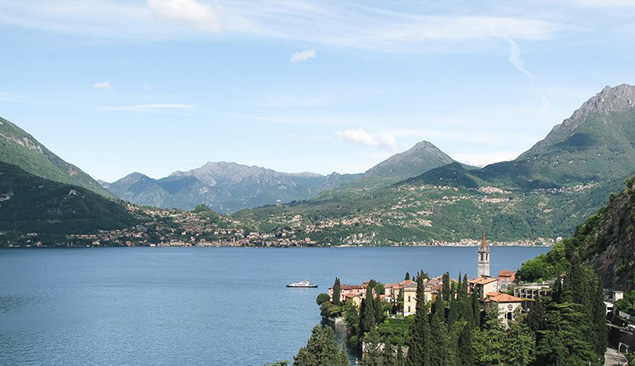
(483, 259)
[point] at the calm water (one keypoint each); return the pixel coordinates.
(195, 306)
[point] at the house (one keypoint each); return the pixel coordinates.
(409, 298)
(432, 288)
(532, 291)
(507, 305)
(346, 290)
(392, 290)
(482, 286)
(505, 279)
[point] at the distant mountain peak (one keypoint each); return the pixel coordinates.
(417, 160)
(611, 99)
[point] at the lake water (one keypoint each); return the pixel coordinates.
(190, 306)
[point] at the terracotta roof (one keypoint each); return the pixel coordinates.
(482, 280)
(506, 273)
(502, 298)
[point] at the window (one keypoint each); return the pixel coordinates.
(408, 301)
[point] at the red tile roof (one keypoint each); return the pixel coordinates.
(502, 298)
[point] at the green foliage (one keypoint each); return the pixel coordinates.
(322, 298)
(54, 210)
(336, 291)
(321, 349)
(19, 148)
(420, 337)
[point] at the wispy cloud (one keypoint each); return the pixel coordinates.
(363, 137)
(348, 25)
(102, 85)
(187, 12)
(302, 56)
(514, 57)
(8, 97)
(148, 107)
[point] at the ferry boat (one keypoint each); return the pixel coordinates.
(302, 284)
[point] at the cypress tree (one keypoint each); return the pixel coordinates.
(599, 319)
(576, 287)
(465, 286)
(459, 288)
(453, 312)
(407, 277)
(466, 351)
(476, 310)
(536, 317)
(379, 309)
(419, 348)
(438, 335)
(369, 311)
(446, 286)
(336, 291)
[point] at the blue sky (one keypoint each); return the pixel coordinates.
(296, 85)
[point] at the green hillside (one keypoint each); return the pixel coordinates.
(545, 193)
(30, 204)
(19, 148)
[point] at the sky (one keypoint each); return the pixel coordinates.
(156, 86)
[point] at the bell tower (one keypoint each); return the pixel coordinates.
(483, 259)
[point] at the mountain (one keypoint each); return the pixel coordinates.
(415, 161)
(609, 240)
(597, 143)
(36, 207)
(542, 195)
(19, 148)
(224, 187)
(606, 241)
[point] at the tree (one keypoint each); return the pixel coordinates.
(368, 317)
(466, 351)
(344, 357)
(438, 335)
(520, 345)
(536, 317)
(321, 349)
(419, 351)
(336, 291)
(322, 298)
(598, 320)
(447, 289)
(373, 355)
(379, 309)
(476, 309)
(407, 277)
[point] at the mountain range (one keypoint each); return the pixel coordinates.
(224, 187)
(419, 196)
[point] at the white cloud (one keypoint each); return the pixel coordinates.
(102, 85)
(514, 57)
(189, 12)
(342, 24)
(482, 159)
(147, 107)
(9, 97)
(360, 136)
(302, 56)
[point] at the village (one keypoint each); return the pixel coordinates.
(511, 298)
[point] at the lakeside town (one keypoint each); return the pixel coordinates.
(204, 228)
(507, 300)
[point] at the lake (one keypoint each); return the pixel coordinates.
(194, 306)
